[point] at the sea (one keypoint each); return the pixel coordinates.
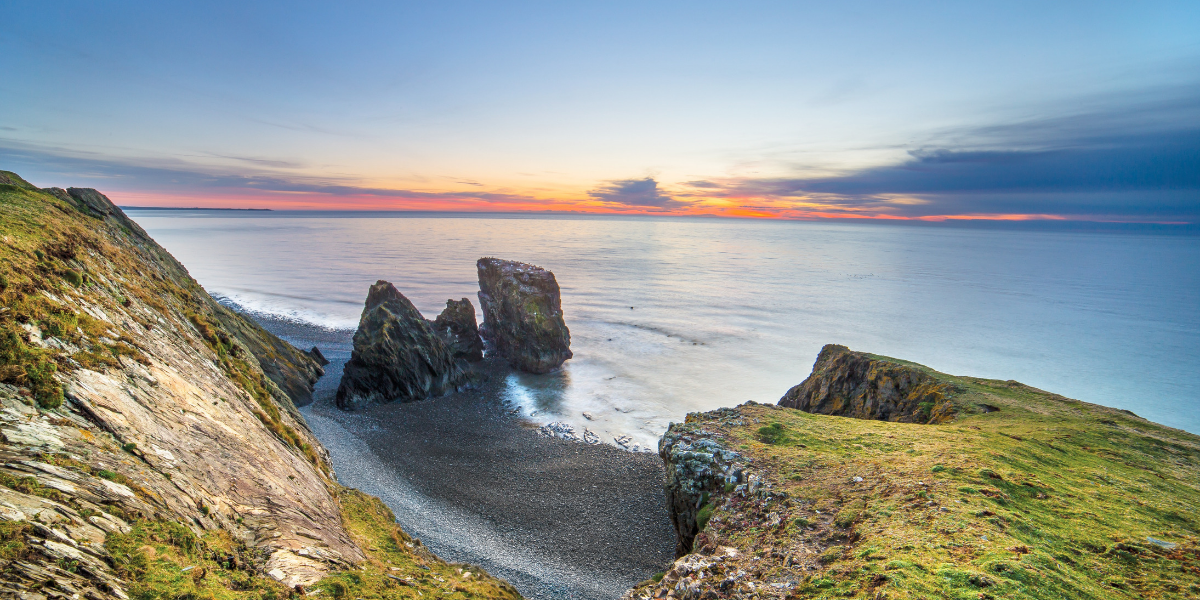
(671, 315)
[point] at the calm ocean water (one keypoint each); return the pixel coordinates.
(671, 315)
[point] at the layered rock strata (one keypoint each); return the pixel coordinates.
(456, 324)
(522, 315)
(131, 394)
(863, 386)
(397, 355)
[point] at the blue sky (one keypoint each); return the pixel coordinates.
(807, 110)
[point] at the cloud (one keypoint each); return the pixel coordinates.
(632, 192)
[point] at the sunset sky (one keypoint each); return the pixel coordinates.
(1015, 110)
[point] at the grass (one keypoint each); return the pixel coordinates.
(1035, 496)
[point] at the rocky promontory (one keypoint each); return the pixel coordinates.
(522, 315)
(1016, 493)
(397, 354)
(864, 386)
(456, 324)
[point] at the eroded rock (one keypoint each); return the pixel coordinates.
(522, 315)
(397, 355)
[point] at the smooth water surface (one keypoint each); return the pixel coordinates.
(671, 315)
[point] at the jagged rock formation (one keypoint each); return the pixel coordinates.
(457, 326)
(397, 355)
(522, 315)
(137, 413)
(863, 386)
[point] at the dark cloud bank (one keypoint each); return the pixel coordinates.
(641, 193)
(1137, 162)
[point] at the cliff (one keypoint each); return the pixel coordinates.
(1016, 493)
(151, 443)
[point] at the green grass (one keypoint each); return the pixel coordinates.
(1040, 497)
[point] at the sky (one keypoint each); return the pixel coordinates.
(1081, 111)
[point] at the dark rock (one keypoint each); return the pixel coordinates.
(864, 386)
(295, 371)
(397, 355)
(316, 355)
(522, 315)
(457, 327)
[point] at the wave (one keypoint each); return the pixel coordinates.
(262, 307)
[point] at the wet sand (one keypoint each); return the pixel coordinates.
(477, 484)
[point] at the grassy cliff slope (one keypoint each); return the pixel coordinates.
(997, 490)
(150, 443)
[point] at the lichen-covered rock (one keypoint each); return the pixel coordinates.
(859, 385)
(397, 355)
(522, 315)
(697, 467)
(458, 328)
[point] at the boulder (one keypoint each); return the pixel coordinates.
(397, 355)
(864, 386)
(522, 315)
(457, 327)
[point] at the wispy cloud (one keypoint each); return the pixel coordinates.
(76, 168)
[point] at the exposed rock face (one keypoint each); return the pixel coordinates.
(522, 315)
(457, 326)
(397, 355)
(169, 412)
(859, 385)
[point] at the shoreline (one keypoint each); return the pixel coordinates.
(478, 484)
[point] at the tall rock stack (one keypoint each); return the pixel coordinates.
(397, 355)
(522, 315)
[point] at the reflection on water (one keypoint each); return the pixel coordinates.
(669, 316)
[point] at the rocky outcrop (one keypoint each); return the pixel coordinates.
(457, 327)
(522, 315)
(129, 394)
(397, 355)
(864, 386)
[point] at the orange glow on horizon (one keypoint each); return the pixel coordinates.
(745, 208)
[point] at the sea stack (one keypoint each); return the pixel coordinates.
(522, 315)
(458, 328)
(397, 355)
